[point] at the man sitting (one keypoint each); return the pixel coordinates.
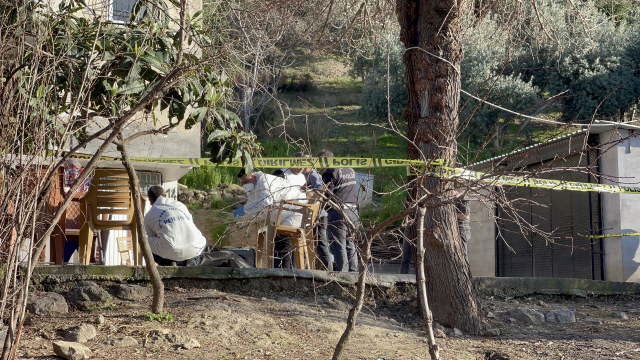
(264, 190)
(173, 237)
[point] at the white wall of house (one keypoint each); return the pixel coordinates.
(481, 248)
(621, 212)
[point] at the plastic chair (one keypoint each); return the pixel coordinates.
(301, 237)
(109, 194)
(125, 245)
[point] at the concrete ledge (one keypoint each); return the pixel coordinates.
(505, 286)
(74, 273)
(62, 276)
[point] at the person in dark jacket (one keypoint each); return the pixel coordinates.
(343, 191)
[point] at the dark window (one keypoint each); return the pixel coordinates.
(120, 10)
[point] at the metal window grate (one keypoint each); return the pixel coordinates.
(120, 10)
(148, 179)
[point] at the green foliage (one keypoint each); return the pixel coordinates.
(518, 66)
(207, 177)
(618, 10)
(105, 71)
(482, 74)
(600, 67)
(220, 233)
(392, 203)
(374, 102)
(163, 316)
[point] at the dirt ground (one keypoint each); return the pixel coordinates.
(299, 323)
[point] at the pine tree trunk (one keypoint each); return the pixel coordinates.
(152, 270)
(433, 93)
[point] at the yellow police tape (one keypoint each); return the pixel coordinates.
(610, 235)
(437, 168)
(508, 180)
(279, 162)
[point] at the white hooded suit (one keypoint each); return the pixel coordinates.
(269, 190)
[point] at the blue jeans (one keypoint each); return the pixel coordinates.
(323, 251)
(341, 240)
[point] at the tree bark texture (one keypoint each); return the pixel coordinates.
(152, 270)
(433, 94)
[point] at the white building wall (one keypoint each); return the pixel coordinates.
(621, 212)
(482, 244)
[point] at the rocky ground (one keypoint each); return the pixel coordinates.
(304, 321)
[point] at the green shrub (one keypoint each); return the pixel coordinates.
(163, 316)
(207, 177)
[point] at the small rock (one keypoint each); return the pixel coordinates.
(81, 333)
(237, 190)
(191, 344)
(46, 303)
(491, 332)
(133, 292)
(337, 304)
(438, 326)
(87, 295)
(45, 335)
(593, 321)
(161, 331)
(512, 320)
(439, 333)
(620, 315)
(304, 288)
(541, 303)
(457, 332)
(414, 303)
(490, 315)
(527, 316)
(172, 338)
(121, 342)
(227, 195)
(561, 316)
(100, 320)
(71, 350)
(515, 302)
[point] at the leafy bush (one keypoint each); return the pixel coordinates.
(296, 82)
(207, 177)
(163, 316)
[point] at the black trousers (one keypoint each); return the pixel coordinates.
(284, 251)
(167, 262)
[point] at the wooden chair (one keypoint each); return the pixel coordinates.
(301, 237)
(109, 194)
(125, 245)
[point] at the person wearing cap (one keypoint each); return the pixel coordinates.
(264, 190)
(342, 188)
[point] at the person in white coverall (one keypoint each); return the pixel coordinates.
(173, 237)
(294, 175)
(264, 190)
